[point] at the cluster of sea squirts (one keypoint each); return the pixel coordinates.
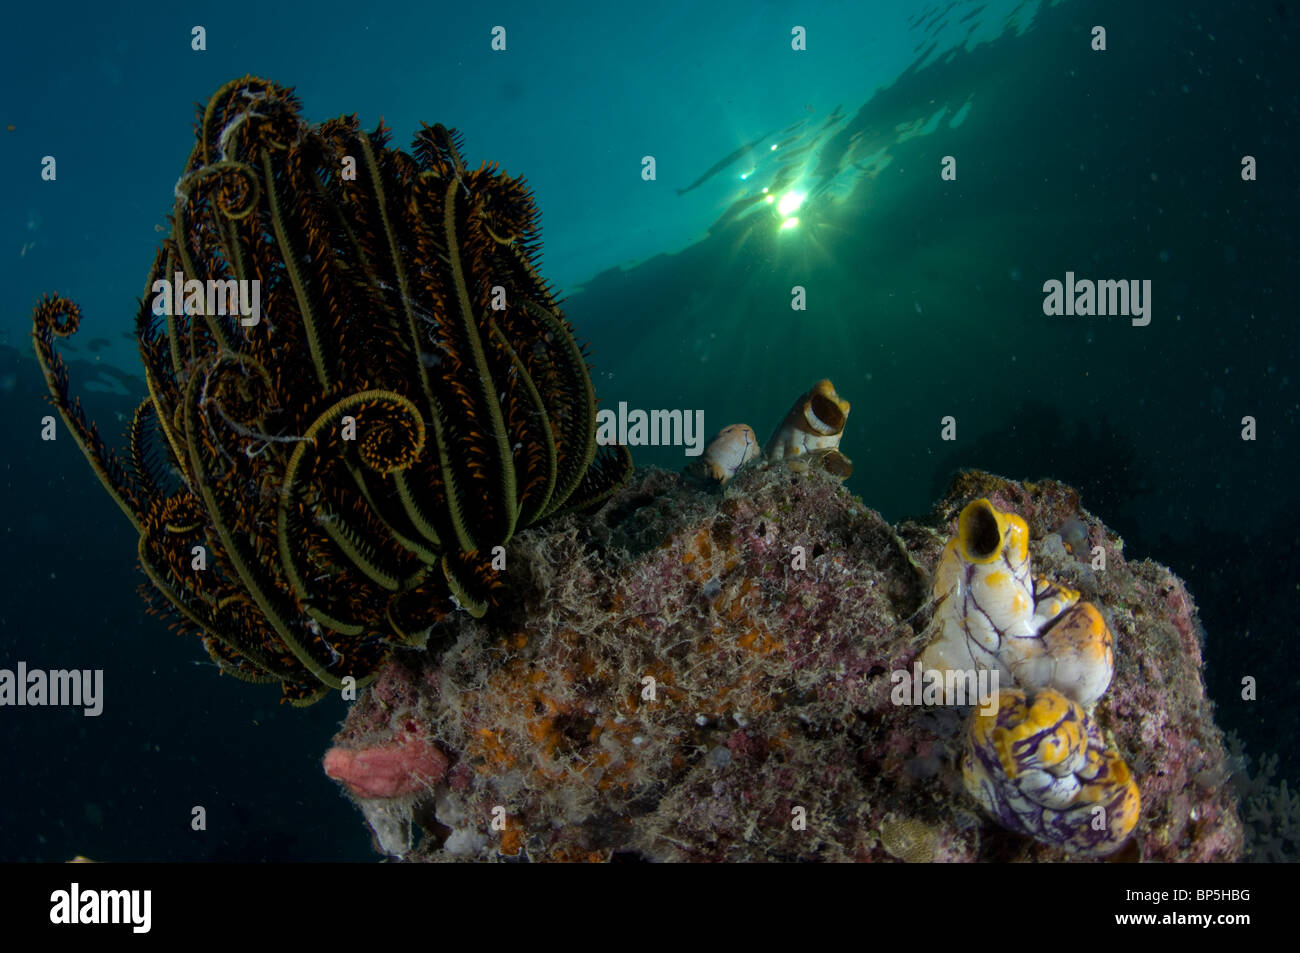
(1034, 758)
(809, 434)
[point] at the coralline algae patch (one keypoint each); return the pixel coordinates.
(705, 675)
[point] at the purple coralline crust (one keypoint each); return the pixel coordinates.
(771, 734)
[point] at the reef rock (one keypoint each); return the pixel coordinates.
(704, 674)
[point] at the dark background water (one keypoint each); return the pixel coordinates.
(924, 301)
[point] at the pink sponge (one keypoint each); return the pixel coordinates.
(389, 770)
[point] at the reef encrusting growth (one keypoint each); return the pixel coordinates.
(704, 675)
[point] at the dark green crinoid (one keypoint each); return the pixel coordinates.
(410, 396)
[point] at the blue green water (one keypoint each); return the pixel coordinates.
(924, 301)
